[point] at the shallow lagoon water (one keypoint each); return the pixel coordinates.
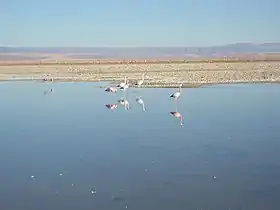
(139, 160)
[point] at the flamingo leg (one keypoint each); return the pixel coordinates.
(181, 122)
(143, 107)
(124, 94)
(176, 105)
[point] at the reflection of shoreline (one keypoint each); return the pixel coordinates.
(157, 75)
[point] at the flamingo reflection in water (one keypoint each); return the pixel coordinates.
(48, 91)
(124, 102)
(111, 107)
(178, 116)
(140, 101)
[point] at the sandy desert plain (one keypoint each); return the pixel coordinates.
(259, 68)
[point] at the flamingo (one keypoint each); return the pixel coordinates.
(141, 102)
(111, 106)
(177, 94)
(125, 103)
(178, 116)
(111, 90)
(45, 79)
(123, 83)
(125, 86)
(140, 82)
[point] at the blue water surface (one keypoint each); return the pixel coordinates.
(226, 155)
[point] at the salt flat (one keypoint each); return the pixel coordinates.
(156, 74)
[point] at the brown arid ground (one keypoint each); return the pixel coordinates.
(158, 73)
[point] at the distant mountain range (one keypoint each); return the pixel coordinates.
(148, 52)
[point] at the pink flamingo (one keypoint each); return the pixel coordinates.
(177, 94)
(178, 116)
(111, 106)
(122, 83)
(126, 85)
(111, 90)
(140, 82)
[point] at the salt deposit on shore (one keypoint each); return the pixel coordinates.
(157, 75)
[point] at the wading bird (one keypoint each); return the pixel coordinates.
(177, 94)
(111, 89)
(140, 82)
(125, 86)
(46, 78)
(123, 83)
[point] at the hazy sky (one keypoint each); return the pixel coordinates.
(138, 22)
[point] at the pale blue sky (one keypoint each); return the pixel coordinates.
(138, 22)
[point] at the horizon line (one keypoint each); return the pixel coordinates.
(190, 46)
